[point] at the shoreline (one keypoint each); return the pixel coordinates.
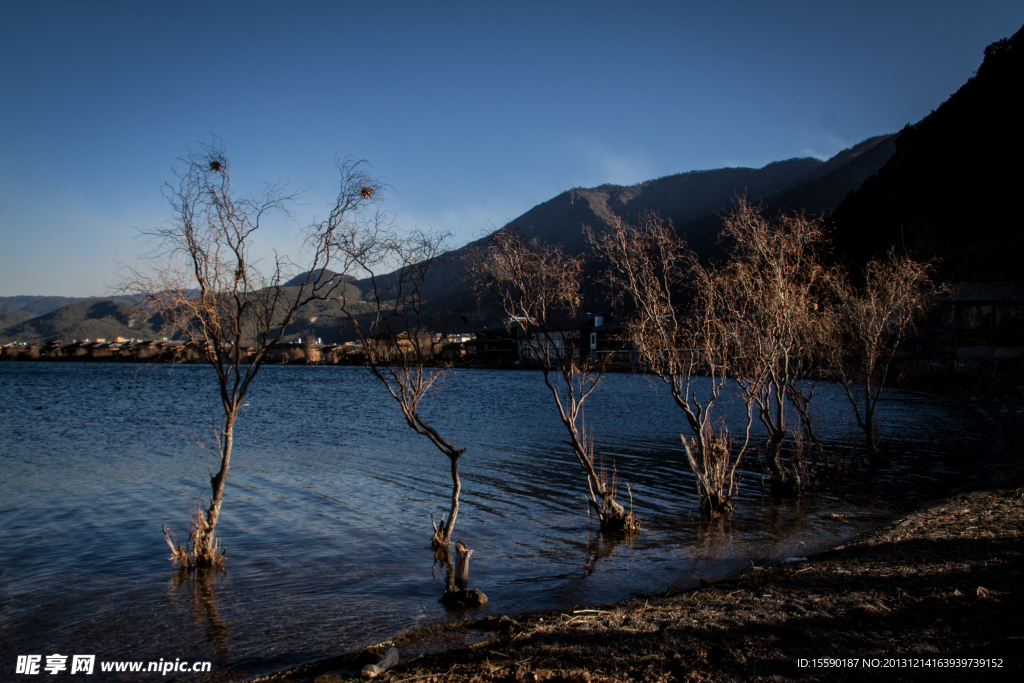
(932, 589)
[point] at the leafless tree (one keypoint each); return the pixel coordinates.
(652, 272)
(401, 328)
(202, 277)
(874, 319)
(773, 288)
(538, 289)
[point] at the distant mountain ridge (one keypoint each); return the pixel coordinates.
(692, 201)
(39, 305)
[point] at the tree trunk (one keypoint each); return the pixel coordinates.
(203, 549)
(874, 459)
(462, 566)
(713, 499)
(715, 503)
(458, 594)
(206, 546)
(782, 486)
(443, 534)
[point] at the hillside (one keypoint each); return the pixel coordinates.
(680, 198)
(86, 319)
(693, 201)
(828, 185)
(8, 318)
(38, 305)
(951, 187)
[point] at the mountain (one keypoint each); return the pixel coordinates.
(951, 188)
(39, 305)
(86, 319)
(679, 198)
(827, 186)
(693, 201)
(318, 276)
(14, 317)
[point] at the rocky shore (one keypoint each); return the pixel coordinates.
(934, 595)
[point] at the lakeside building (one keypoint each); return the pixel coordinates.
(989, 322)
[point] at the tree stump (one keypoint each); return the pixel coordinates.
(459, 594)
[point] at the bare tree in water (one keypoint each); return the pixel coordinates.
(538, 288)
(402, 329)
(653, 272)
(202, 277)
(772, 292)
(874, 318)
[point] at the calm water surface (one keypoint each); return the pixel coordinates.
(326, 515)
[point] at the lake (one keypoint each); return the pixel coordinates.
(326, 514)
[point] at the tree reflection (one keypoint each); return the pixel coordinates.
(200, 584)
(600, 546)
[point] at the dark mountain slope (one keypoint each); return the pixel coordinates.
(820, 191)
(827, 186)
(952, 186)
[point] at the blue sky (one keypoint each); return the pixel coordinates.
(473, 111)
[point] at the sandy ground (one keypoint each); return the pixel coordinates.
(934, 595)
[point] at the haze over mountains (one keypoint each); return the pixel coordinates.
(944, 187)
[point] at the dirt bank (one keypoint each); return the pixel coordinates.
(932, 591)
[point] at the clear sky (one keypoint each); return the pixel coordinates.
(473, 111)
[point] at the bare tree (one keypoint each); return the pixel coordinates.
(202, 277)
(874, 320)
(652, 271)
(773, 289)
(538, 289)
(401, 328)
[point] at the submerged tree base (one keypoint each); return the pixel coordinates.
(201, 551)
(626, 524)
(783, 488)
(457, 593)
(713, 507)
(463, 598)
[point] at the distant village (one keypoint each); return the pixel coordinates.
(984, 325)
